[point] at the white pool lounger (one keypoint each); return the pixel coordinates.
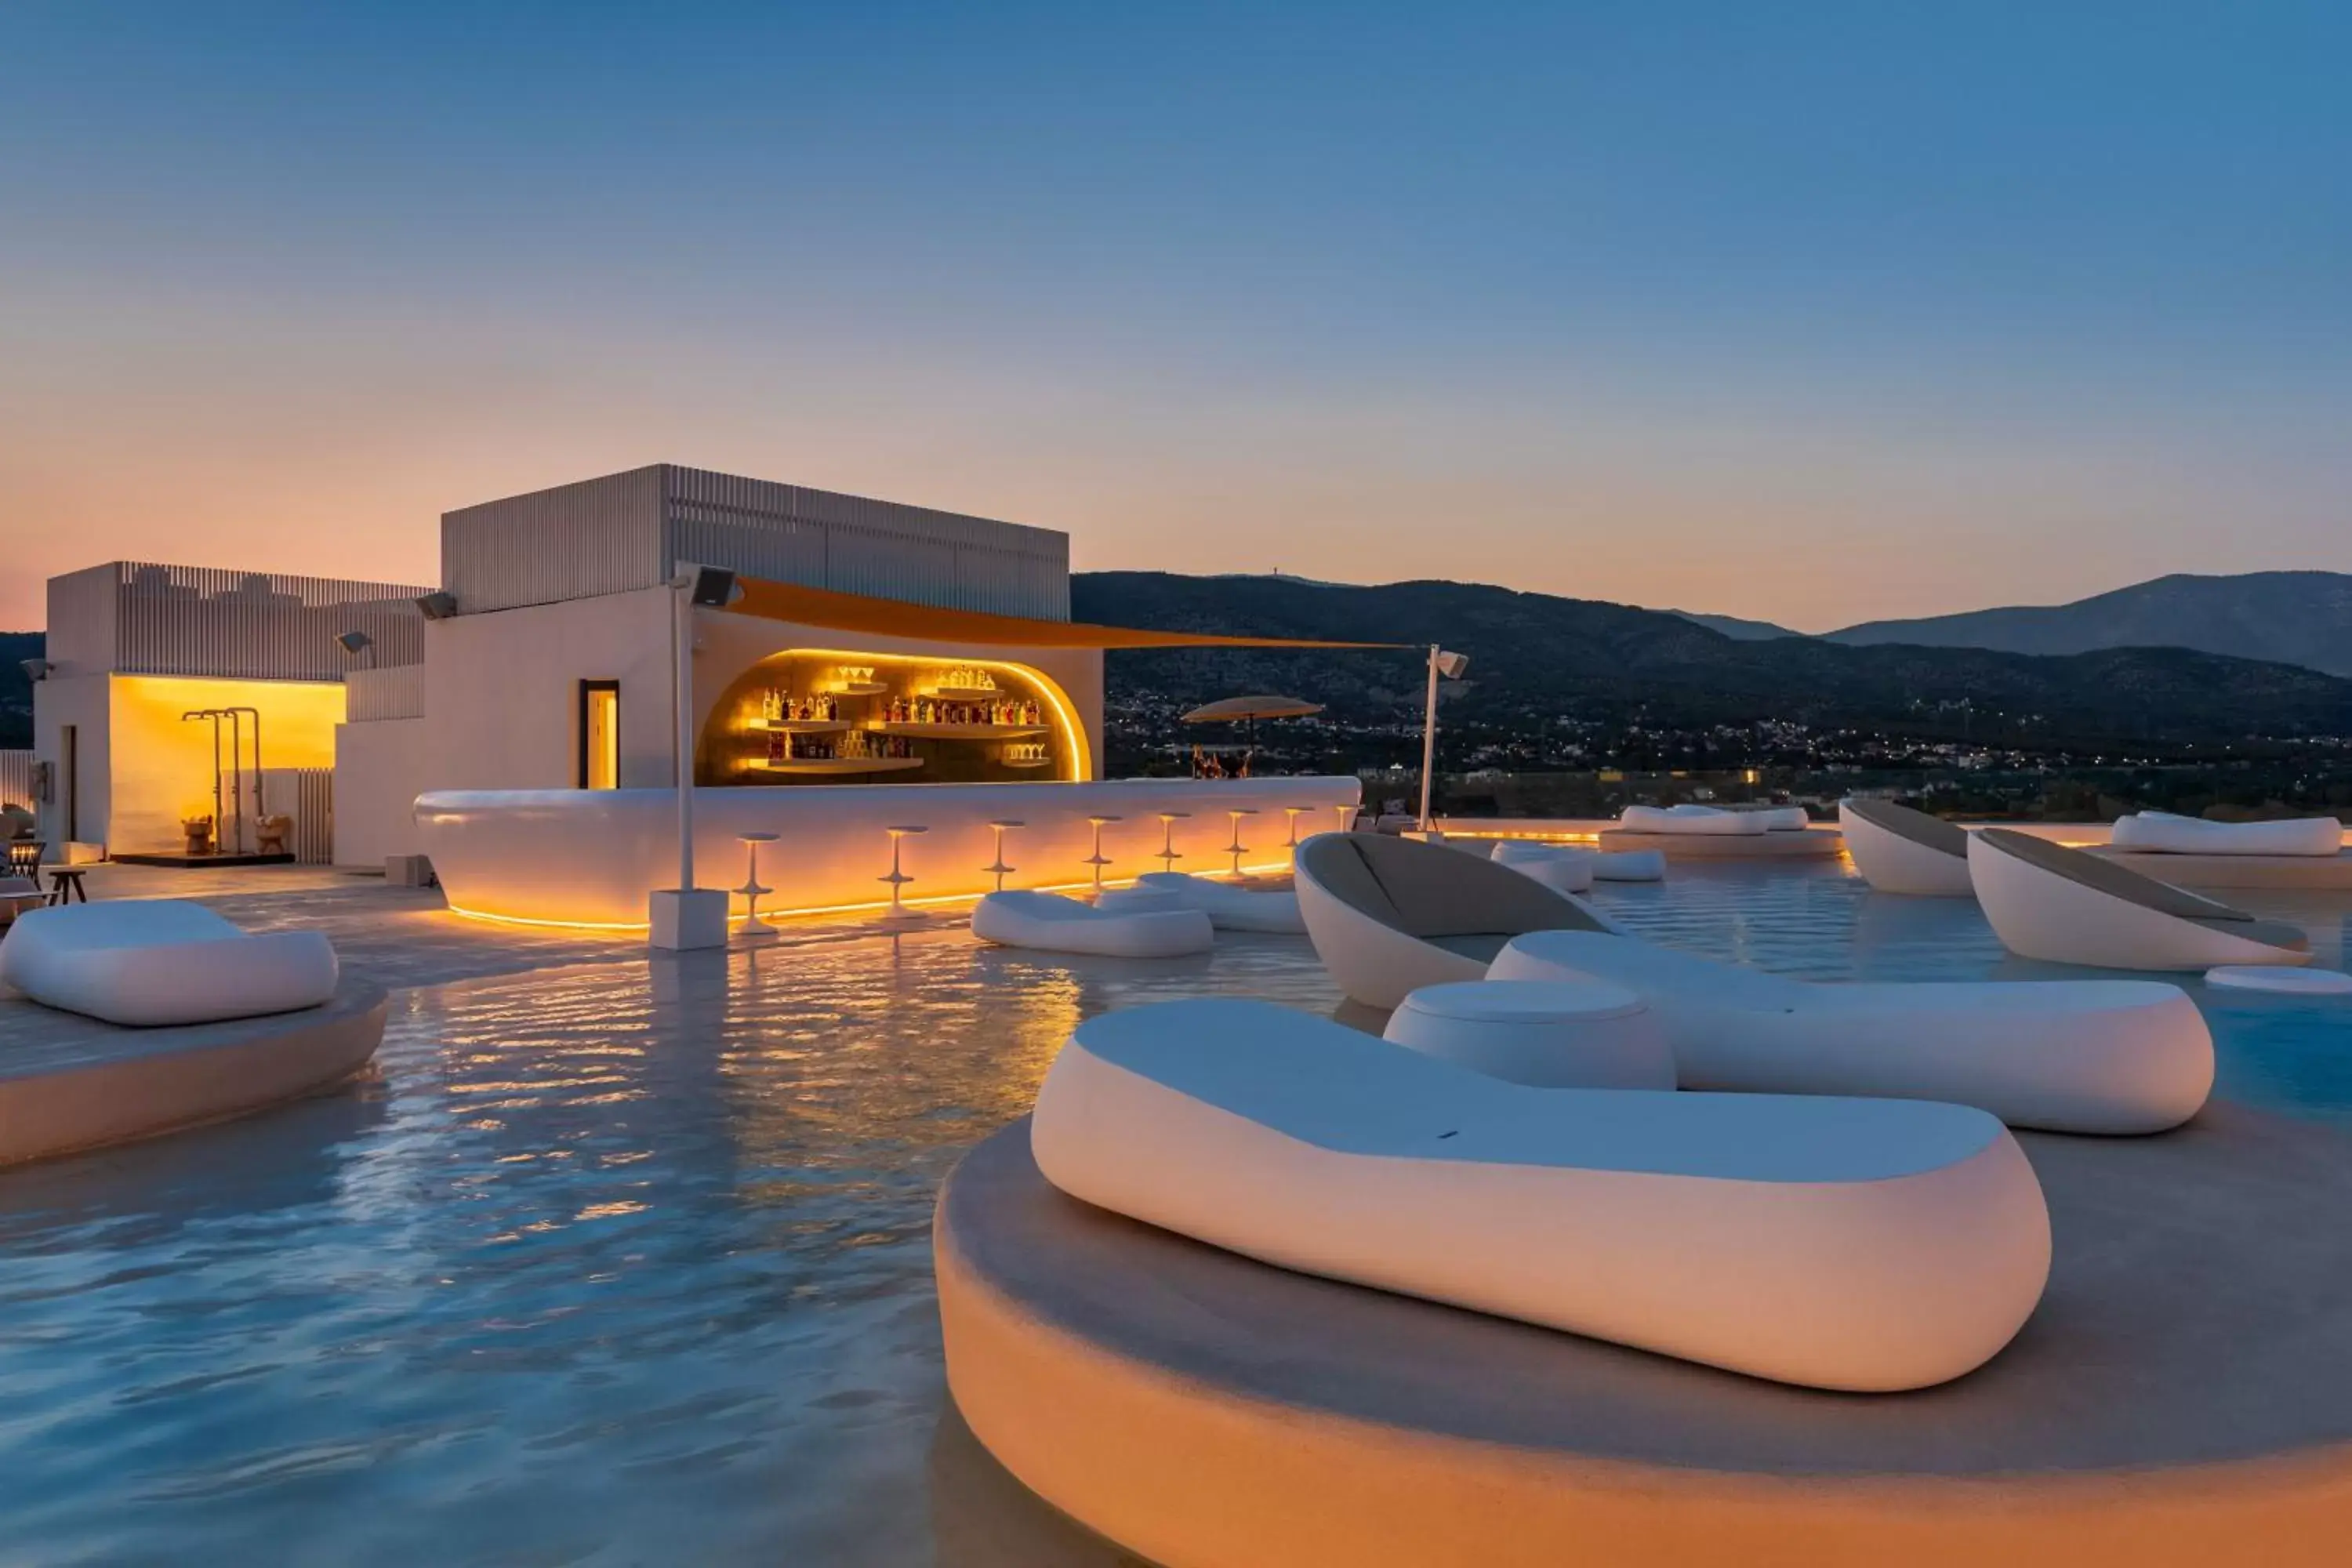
(2163, 833)
(1229, 908)
(1899, 850)
(1389, 916)
(1706, 821)
(2047, 901)
(157, 961)
(1844, 1244)
(2119, 1057)
(1052, 923)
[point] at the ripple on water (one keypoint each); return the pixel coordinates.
(631, 1262)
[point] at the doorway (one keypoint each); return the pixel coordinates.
(599, 734)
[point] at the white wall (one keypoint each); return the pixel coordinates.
(502, 702)
(502, 691)
(380, 770)
(592, 857)
(83, 702)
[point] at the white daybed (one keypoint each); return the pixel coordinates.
(1711, 833)
(1692, 820)
(1389, 916)
(1056, 924)
(2068, 1056)
(2047, 901)
(1899, 850)
(2162, 832)
(1229, 908)
(1844, 1244)
(155, 961)
(1556, 866)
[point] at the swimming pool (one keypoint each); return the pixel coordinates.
(630, 1261)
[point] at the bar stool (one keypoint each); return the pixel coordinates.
(753, 925)
(1346, 817)
(1169, 853)
(898, 879)
(1096, 859)
(1293, 811)
(1237, 849)
(998, 868)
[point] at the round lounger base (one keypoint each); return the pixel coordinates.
(2280, 981)
(68, 1083)
(2326, 873)
(2183, 1396)
(1812, 844)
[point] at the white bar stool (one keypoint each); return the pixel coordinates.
(997, 867)
(898, 879)
(1237, 849)
(1096, 859)
(753, 925)
(1169, 853)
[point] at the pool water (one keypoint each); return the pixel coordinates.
(630, 1262)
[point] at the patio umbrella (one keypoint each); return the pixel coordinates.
(1250, 709)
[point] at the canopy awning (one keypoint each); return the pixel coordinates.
(896, 618)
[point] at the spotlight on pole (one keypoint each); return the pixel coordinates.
(1451, 666)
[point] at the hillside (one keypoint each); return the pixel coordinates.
(17, 688)
(1536, 658)
(1737, 628)
(2288, 618)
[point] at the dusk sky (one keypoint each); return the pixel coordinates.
(1816, 313)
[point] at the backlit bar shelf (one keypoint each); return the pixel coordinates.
(840, 766)
(964, 732)
(806, 726)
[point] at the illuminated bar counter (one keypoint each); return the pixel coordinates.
(592, 857)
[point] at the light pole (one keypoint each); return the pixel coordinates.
(686, 916)
(1450, 666)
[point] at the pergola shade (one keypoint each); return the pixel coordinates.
(893, 617)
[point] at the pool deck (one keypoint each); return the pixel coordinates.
(403, 937)
(2183, 1396)
(68, 1083)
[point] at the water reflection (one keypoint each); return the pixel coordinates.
(983, 1517)
(632, 1261)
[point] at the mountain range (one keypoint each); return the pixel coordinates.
(1537, 656)
(2285, 617)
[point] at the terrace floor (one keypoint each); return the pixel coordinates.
(620, 1258)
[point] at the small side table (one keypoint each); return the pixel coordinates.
(65, 885)
(1549, 1034)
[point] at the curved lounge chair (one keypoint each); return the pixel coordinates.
(2045, 901)
(2071, 1055)
(1899, 850)
(2162, 832)
(1563, 870)
(1389, 916)
(153, 962)
(1053, 924)
(1228, 908)
(1847, 1244)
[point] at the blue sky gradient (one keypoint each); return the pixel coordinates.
(1817, 313)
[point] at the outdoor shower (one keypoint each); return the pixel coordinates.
(228, 795)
